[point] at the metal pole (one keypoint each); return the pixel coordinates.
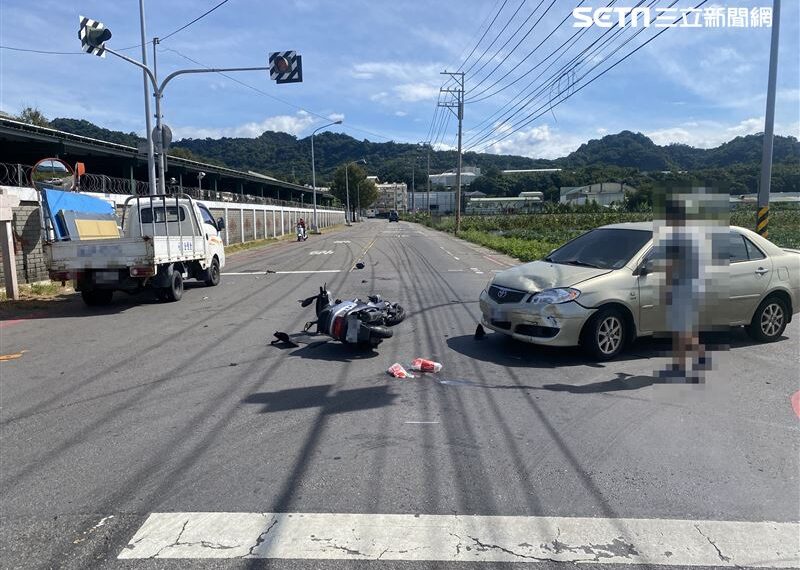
(162, 166)
(429, 181)
(458, 172)
(413, 183)
(151, 160)
(314, 226)
(762, 219)
(347, 191)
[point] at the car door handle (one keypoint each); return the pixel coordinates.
(761, 271)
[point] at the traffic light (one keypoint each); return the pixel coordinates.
(286, 67)
(93, 35)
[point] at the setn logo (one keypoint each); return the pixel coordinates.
(607, 17)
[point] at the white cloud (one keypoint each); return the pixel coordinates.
(380, 96)
(412, 92)
(537, 142)
(292, 124)
(400, 113)
(406, 72)
(709, 134)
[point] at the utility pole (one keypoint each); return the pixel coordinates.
(762, 219)
(413, 183)
(458, 104)
(429, 181)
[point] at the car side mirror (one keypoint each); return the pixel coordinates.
(221, 224)
(646, 267)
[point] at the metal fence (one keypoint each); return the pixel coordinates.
(12, 174)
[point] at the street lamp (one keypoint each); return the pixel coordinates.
(314, 226)
(347, 188)
(200, 176)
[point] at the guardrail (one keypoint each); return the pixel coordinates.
(13, 174)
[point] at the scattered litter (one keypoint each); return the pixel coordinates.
(360, 265)
(5, 357)
(270, 271)
(364, 281)
(233, 364)
(398, 371)
(480, 334)
(424, 365)
(282, 337)
(205, 298)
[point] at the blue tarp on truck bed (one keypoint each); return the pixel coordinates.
(57, 203)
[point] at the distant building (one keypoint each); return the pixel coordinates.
(442, 202)
(448, 179)
(604, 193)
(391, 196)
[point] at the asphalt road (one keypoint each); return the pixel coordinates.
(149, 407)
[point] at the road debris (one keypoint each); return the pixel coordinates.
(5, 357)
(398, 371)
(425, 365)
(283, 338)
(480, 334)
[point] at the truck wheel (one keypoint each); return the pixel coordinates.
(212, 275)
(175, 291)
(97, 297)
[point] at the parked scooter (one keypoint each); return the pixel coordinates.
(302, 235)
(363, 323)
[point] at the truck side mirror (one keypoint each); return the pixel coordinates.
(221, 224)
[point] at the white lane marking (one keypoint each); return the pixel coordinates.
(287, 272)
(420, 422)
(456, 270)
(476, 270)
(483, 539)
(323, 252)
(343, 241)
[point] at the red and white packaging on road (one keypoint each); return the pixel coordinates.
(398, 371)
(424, 365)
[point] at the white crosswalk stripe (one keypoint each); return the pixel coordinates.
(483, 539)
(324, 252)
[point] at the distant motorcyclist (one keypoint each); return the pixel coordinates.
(301, 230)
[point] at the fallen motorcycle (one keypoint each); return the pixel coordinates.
(357, 322)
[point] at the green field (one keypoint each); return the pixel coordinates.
(531, 237)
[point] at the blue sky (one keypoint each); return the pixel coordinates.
(377, 65)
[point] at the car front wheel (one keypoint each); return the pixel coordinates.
(605, 335)
(769, 321)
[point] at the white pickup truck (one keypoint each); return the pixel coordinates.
(163, 240)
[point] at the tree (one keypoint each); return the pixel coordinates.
(33, 116)
(355, 176)
(367, 193)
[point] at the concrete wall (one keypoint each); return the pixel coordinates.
(258, 222)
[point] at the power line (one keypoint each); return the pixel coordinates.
(200, 17)
(568, 68)
(486, 31)
(477, 97)
(522, 39)
(497, 37)
(529, 119)
(11, 48)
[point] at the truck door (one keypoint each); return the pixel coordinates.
(212, 235)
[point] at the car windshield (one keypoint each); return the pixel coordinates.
(601, 248)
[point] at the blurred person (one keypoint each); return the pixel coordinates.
(684, 250)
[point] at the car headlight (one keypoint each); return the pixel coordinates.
(555, 296)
